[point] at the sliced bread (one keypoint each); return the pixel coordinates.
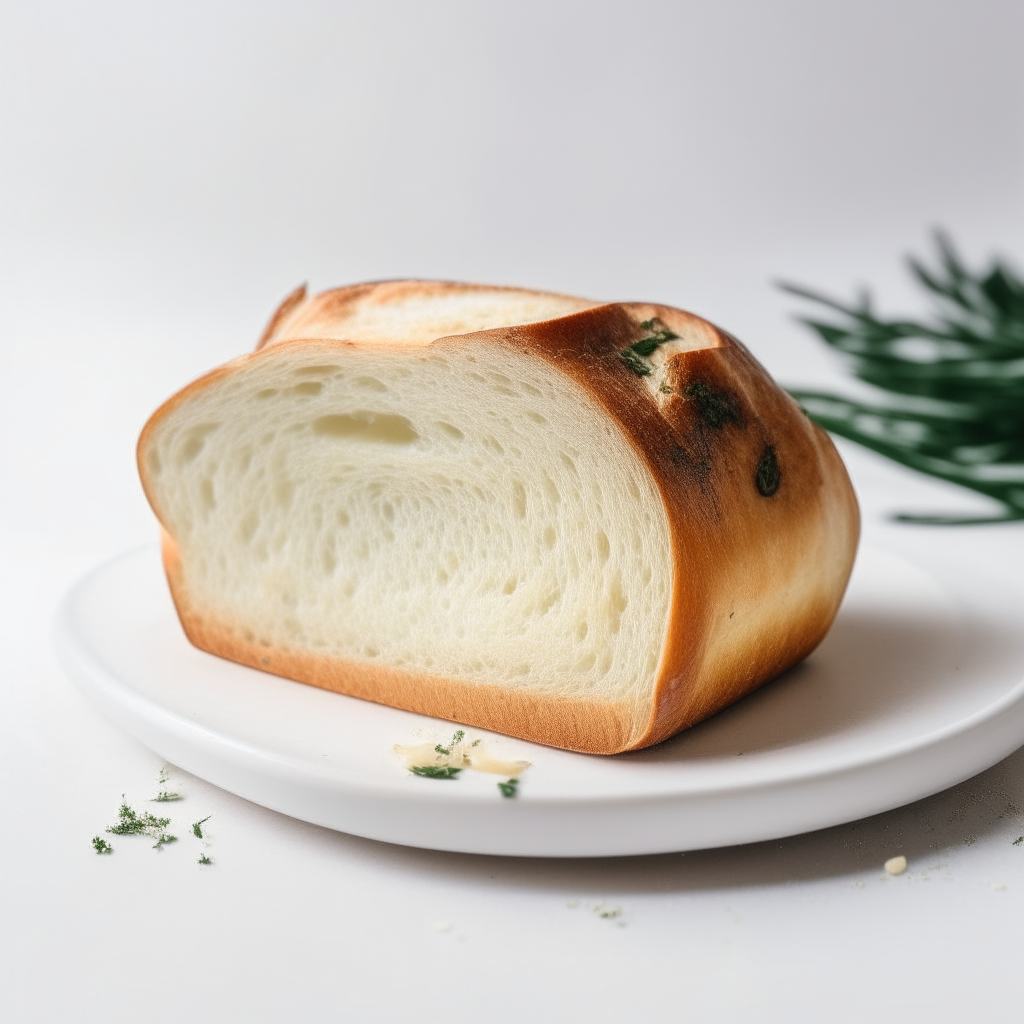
(588, 525)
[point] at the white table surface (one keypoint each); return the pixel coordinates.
(171, 171)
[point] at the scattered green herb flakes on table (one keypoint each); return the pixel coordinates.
(130, 823)
(953, 384)
(133, 823)
(509, 788)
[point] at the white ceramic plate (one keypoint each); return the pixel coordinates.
(917, 687)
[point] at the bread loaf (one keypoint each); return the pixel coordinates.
(587, 525)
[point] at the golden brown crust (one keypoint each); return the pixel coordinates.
(758, 572)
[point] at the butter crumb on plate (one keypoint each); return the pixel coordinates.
(896, 865)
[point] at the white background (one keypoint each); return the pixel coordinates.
(169, 171)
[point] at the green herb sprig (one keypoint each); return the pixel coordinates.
(100, 845)
(954, 383)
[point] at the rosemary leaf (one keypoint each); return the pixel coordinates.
(953, 383)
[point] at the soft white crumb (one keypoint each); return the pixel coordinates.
(896, 865)
(442, 926)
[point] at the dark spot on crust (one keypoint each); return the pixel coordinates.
(768, 473)
(716, 408)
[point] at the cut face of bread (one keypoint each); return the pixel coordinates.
(470, 502)
(465, 514)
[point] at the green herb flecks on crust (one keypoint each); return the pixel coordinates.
(953, 384)
(715, 407)
(768, 474)
(636, 355)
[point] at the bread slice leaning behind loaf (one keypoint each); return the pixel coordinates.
(587, 525)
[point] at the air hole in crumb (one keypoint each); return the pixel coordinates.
(206, 493)
(266, 393)
(284, 490)
(453, 432)
(195, 439)
(308, 387)
(364, 425)
(519, 499)
(370, 383)
(247, 526)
